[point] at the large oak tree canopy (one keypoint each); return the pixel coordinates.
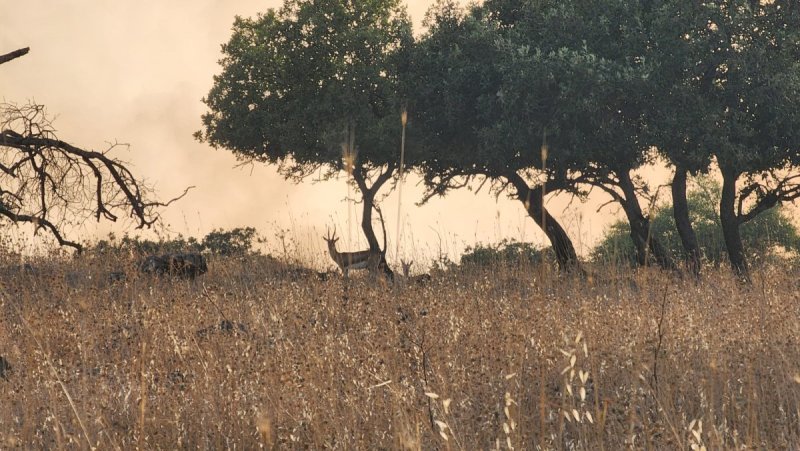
(491, 84)
(604, 84)
(293, 81)
(464, 130)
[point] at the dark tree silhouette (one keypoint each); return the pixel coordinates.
(48, 182)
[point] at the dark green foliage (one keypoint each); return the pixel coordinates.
(141, 247)
(234, 242)
(607, 84)
(508, 252)
(238, 241)
(293, 80)
(726, 89)
(314, 88)
(771, 235)
(492, 84)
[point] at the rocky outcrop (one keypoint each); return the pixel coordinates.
(5, 368)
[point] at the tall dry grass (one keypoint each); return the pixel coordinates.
(249, 356)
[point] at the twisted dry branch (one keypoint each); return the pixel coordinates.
(45, 180)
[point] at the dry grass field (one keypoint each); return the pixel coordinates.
(249, 356)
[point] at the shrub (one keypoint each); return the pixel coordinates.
(238, 241)
(219, 242)
(509, 252)
(768, 237)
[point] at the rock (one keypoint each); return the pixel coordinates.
(117, 276)
(224, 326)
(182, 265)
(5, 368)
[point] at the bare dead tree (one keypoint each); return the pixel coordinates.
(48, 182)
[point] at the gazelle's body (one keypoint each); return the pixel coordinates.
(352, 260)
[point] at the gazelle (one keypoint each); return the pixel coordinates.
(406, 267)
(351, 260)
(419, 280)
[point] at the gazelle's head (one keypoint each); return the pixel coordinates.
(331, 240)
(406, 267)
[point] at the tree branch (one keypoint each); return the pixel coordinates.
(786, 191)
(45, 179)
(13, 55)
(121, 175)
(40, 224)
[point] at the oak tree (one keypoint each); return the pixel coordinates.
(730, 79)
(300, 84)
(460, 101)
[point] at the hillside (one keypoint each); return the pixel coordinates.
(249, 355)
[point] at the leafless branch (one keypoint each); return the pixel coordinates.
(45, 180)
(13, 55)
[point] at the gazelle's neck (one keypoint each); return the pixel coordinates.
(332, 250)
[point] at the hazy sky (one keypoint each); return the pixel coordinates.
(135, 72)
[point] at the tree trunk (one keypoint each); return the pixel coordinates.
(645, 243)
(730, 224)
(680, 210)
(368, 204)
(566, 256)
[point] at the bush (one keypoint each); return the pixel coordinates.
(234, 242)
(769, 236)
(141, 246)
(509, 252)
(238, 241)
